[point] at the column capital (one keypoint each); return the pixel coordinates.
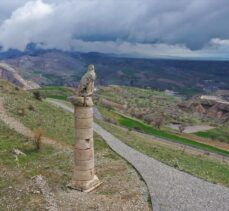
(80, 101)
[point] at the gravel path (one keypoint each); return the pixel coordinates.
(97, 114)
(169, 188)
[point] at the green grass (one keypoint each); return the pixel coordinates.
(55, 167)
(53, 121)
(9, 140)
(199, 166)
(220, 134)
(53, 164)
(55, 92)
(141, 126)
(135, 96)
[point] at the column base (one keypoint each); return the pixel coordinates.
(85, 186)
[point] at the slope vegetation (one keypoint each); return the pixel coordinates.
(20, 172)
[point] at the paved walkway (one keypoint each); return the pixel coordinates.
(169, 188)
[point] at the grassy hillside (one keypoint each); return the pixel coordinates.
(220, 133)
(16, 178)
(16, 173)
(135, 124)
(38, 115)
(148, 105)
(58, 124)
(202, 166)
(55, 165)
(199, 166)
(143, 104)
(153, 107)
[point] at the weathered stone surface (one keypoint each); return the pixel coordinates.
(82, 134)
(87, 154)
(84, 165)
(80, 175)
(84, 112)
(84, 178)
(85, 186)
(84, 144)
(81, 101)
(86, 87)
(83, 123)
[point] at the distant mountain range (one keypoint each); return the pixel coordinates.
(55, 67)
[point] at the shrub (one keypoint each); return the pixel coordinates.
(37, 139)
(181, 128)
(37, 95)
(31, 107)
(158, 123)
(21, 111)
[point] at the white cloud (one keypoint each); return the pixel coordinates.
(145, 49)
(186, 28)
(219, 42)
(24, 24)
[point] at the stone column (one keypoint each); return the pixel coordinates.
(84, 178)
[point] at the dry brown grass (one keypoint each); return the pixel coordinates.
(38, 133)
(21, 111)
(31, 107)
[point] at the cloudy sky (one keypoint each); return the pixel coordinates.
(141, 28)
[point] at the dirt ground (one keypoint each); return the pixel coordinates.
(122, 189)
(192, 129)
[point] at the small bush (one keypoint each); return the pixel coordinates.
(37, 95)
(37, 139)
(181, 128)
(21, 111)
(31, 107)
(158, 122)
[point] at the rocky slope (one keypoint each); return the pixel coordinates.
(218, 110)
(10, 74)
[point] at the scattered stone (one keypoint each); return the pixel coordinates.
(18, 152)
(36, 191)
(46, 191)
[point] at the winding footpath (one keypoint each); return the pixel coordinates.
(170, 189)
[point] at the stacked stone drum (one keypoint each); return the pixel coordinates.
(84, 178)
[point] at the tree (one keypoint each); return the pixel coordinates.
(181, 128)
(158, 122)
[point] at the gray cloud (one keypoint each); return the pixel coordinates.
(178, 27)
